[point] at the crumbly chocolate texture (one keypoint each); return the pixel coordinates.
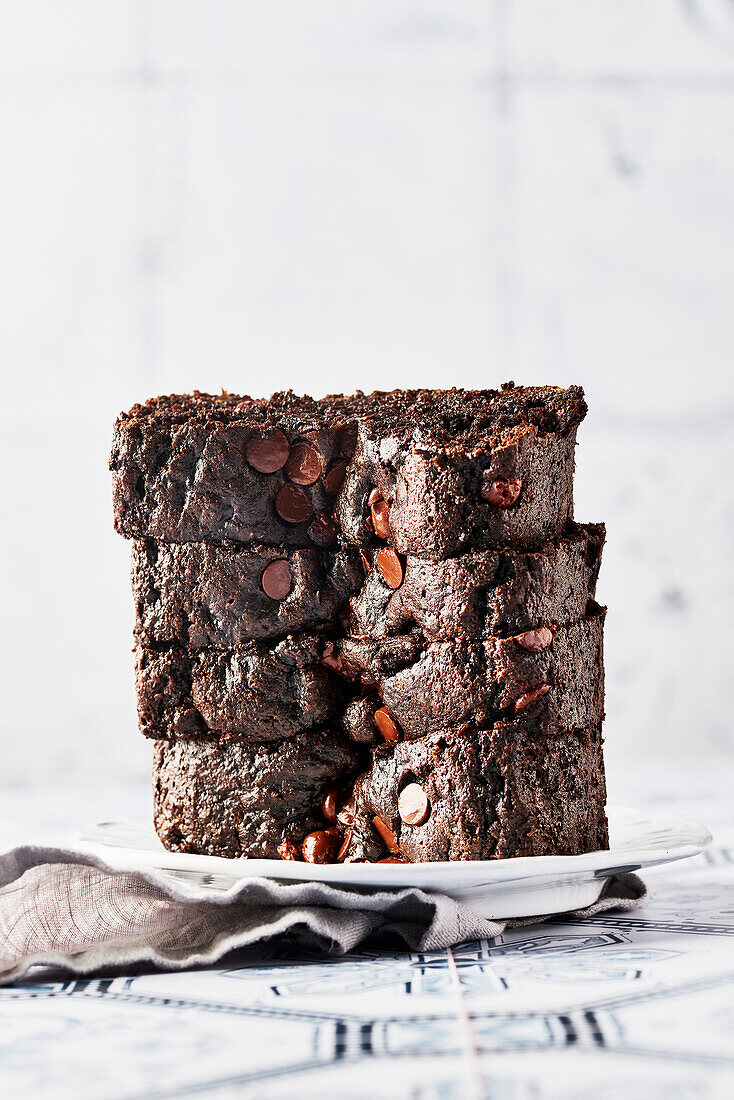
(213, 594)
(196, 466)
(254, 692)
(190, 468)
(467, 475)
(484, 593)
(233, 799)
(436, 685)
(357, 719)
(491, 794)
(450, 494)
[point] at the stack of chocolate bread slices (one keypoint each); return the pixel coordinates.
(365, 626)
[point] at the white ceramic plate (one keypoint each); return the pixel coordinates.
(497, 889)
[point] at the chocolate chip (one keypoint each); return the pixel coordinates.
(413, 804)
(323, 531)
(374, 496)
(381, 519)
(386, 725)
(277, 579)
(535, 640)
(288, 849)
(334, 664)
(268, 453)
(392, 859)
(293, 504)
(390, 567)
(348, 439)
(304, 464)
(332, 660)
(328, 804)
(530, 697)
(189, 721)
(366, 563)
(345, 846)
(345, 813)
(335, 476)
(501, 491)
(391, 841)
(320, 846)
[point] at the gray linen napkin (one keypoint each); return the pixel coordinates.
(63, 909)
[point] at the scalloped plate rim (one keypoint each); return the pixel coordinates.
(679, 839)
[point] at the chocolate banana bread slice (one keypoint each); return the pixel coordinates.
(482, 794)
(483, 593)
(253, 692)
(452, 469)
(551, 677)
(234, 799)
(191, 467)
(464, 470)
(222, 593)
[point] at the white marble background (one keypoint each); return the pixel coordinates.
(255, 195)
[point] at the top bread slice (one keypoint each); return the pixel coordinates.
(456, 469)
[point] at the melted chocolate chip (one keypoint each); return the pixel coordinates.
(501, 491)
(387, 725)
(345, 813)
(277, 579)
(413, 804)
(390, 567)
(530, 697)
(381, 519)
(388, 836)
(268, 453)
(535, 640)
(321, 846)
(288, 849)
(345, 845)
(304, 464)
(293, 504)
(335, 476)
(328, 804)
(332, 660)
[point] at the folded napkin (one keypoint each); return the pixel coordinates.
(63, 909)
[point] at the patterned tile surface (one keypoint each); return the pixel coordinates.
(637, 1004)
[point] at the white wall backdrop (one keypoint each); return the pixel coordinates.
(327, 195)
